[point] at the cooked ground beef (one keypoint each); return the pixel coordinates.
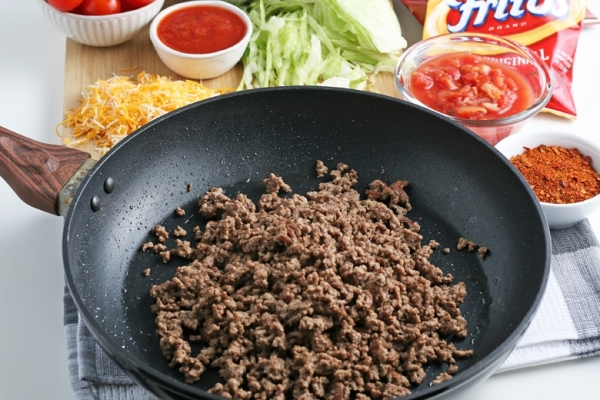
(482, 251)
(466, 244)
(319, 296)
(275, 184)
(161, 233)
(321, 169)
(179, 232)
(472, 246)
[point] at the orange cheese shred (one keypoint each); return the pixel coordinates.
(111, 109)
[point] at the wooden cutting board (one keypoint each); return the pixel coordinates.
(84, 65)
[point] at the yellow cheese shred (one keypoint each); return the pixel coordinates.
(111, 109)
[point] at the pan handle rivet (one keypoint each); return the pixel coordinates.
(95, 203)
(109, 185)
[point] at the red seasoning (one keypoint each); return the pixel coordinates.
(201, 29)
(558, 175)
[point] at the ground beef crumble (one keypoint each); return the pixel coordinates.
(472, 246)
(305, 297)
(321, 169)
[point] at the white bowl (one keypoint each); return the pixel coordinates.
(200, 66)
(557, 215)
(102, 30)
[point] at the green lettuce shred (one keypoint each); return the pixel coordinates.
(306, 42)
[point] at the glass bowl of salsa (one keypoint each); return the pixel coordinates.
(490, 84)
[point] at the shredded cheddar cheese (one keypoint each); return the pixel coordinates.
(112, 109)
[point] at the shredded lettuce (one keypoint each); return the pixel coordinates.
(306, 42)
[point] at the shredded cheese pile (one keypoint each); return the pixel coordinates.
(112, 109)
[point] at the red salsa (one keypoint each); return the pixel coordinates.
(472, 87)
(201, 29)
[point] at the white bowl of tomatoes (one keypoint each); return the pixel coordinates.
(101, 23)
(490, 84)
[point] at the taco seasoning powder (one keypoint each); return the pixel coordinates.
(558, 175)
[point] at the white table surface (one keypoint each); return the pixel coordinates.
(32, 344)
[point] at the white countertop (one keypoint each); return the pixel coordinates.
(32, 344)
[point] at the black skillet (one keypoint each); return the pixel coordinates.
(460, 186)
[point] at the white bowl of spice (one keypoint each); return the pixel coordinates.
(562, 170)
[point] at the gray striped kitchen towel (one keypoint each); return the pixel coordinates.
(566, 326)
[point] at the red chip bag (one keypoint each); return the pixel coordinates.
(418, 8)
(549, 27)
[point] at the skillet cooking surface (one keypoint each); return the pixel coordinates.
(459, 187)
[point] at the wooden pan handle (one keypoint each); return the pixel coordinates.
(37, 171)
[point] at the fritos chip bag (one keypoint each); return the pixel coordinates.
(418, 8)
(549, 27)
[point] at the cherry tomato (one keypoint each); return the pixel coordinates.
(126, 6)
(100, 7)
(133, 4)
(65, 5)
